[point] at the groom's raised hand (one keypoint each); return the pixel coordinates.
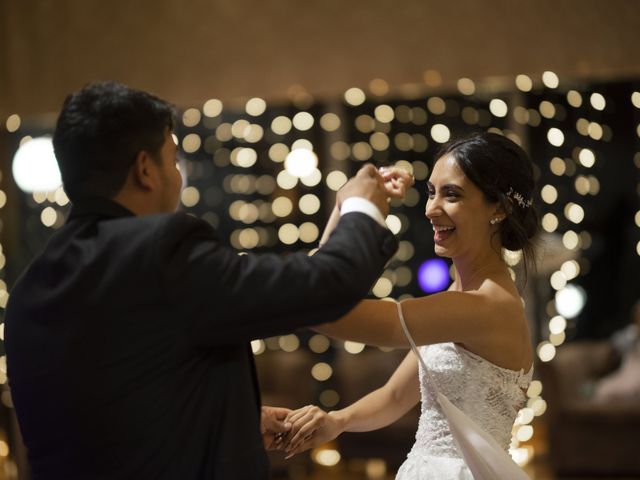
(273, 426)
(367, 184)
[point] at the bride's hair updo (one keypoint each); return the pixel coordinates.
(503, 171)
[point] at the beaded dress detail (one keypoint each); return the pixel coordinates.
(488, 394)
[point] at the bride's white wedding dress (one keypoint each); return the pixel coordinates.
(488, 394)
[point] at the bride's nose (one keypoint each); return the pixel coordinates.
(432, 208)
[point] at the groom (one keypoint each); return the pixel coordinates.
(127, 337)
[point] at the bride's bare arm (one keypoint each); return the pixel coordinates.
(468, 318)
(311, 426)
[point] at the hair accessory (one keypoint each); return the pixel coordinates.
(518, 198)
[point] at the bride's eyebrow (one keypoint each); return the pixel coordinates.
(446, 186)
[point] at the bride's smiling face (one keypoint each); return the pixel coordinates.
(458, 210)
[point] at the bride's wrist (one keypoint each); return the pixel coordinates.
(340, 419)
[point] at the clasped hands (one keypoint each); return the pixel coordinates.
(377, 186)
(294, 431)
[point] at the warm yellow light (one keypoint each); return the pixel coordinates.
(365, 123)
(557, 324)
(330, 122)
(635, 99)
(378, 86)
(524, 83)
(597, 101)
(191, 117)
(361, 151)
(466, 86)
(321, 371)
(550, 79)
(303, 121)
(574, 98)
(212, 108)
(382, 288)
(498, 107)
(394, 223)
(281, 207)
(582, 126)
(309, 204)
(557, 339)
(555, 137)
(244, 157)
(353, 347)
(354, 96)
(525, 416)
(240, 128)
(547, 109)
(436, 105)
(326, 457)
(525, 432)
(558, 281)
(571, 269)
(281, 125)
(257, 347)
(223, 132)
(549, 194)
(384, 113)
(255, 107)
(329, 398)
(549, 222)
(288, 234)
(557, 166)
(319, 343)
(440, 133)
(587, 157)
(48, 216)
(248, 238)
(340, 150)
(336, 179)
(309, 232)
(191, 143)
(546, 352)
(595, 130)
(313, 179)
(190, 196)
(570, 240)
(535, 389)
(301, 162)
(13, 123)
(278, 152)
(582, 185)
(289, 343)
(539, 406)
(574, 212)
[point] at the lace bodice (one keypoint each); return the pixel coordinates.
(488, 394)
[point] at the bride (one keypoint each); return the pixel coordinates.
(473, 338)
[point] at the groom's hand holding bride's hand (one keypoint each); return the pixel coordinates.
(396, 181)
(310, 427)
(274, 426)
(377, 186)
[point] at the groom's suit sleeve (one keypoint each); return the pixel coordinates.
(226, 297)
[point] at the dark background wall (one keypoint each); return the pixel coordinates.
(188, 51)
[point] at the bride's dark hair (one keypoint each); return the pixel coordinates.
(503, 171)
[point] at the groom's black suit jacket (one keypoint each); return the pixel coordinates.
(127, 341)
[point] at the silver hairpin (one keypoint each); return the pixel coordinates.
(518, 198)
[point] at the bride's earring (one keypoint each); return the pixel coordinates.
(494, 221)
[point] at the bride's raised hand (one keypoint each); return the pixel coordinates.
(396, 181)
(310, 427)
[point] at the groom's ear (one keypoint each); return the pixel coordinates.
(144, 171)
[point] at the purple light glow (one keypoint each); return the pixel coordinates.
(433, 275)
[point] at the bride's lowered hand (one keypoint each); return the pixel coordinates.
(310, 427)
